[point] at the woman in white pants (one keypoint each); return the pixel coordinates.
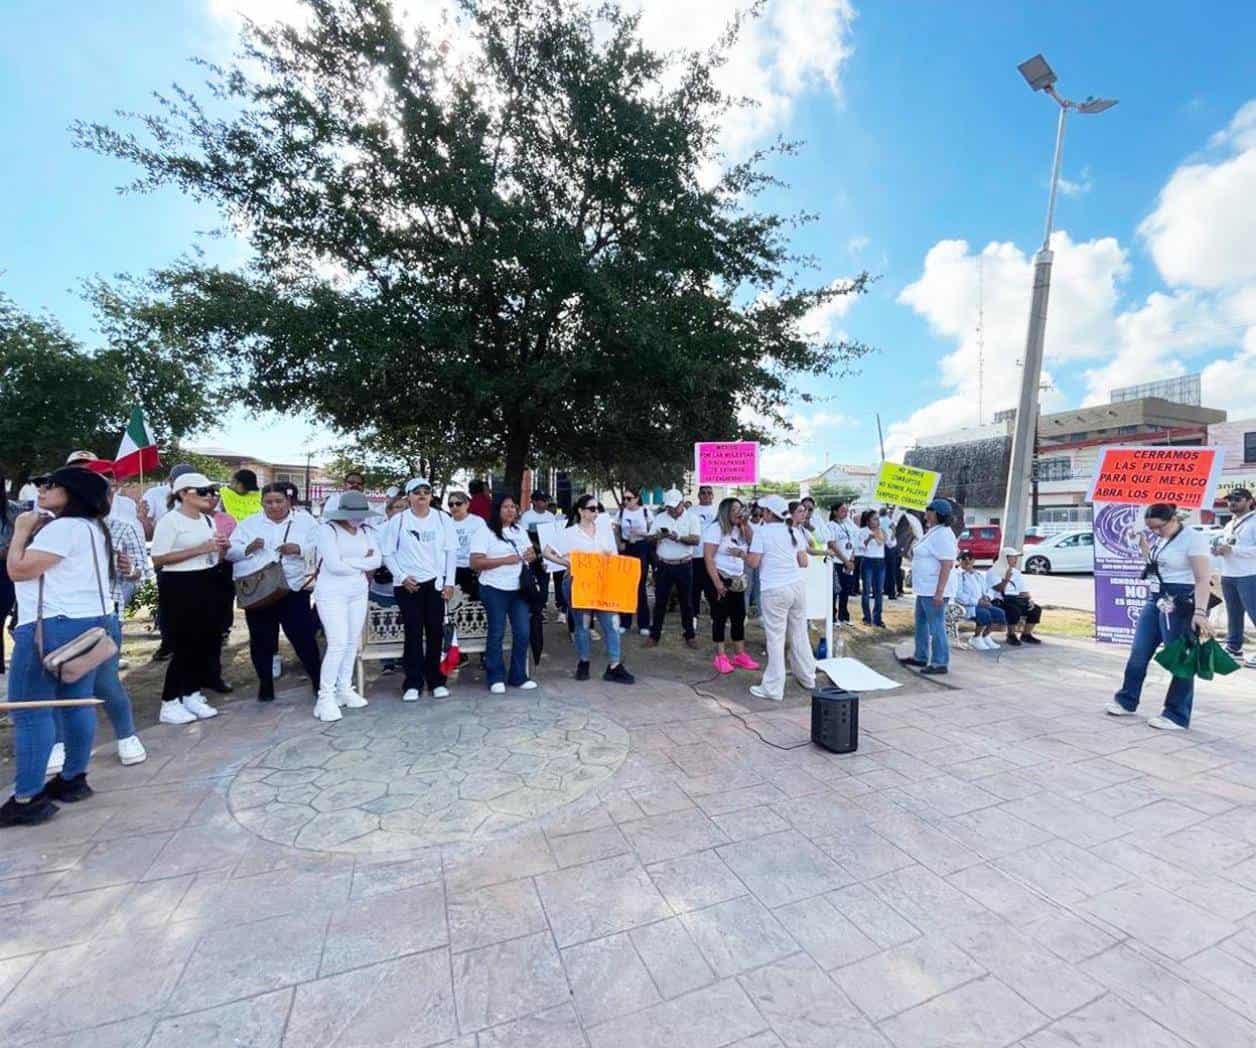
(348, 553)
(779, 552)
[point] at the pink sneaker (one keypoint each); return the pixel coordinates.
(722, 664)
(745, 662)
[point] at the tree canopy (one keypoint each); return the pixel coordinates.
(494, 259)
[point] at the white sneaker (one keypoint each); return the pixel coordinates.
(991, 643)
(411, 695)
(326, 709)
(1250, 662)
(1115, 709)
(498, 689)
(131, 750)
(276, 666)
(644, 633)
(56, 759)
(978, 644)
(621, 630)
(174, 712)
(440, 693)
(195, 703)
(528, 685)
(757, 691)
(350, 699)
(1164, 724)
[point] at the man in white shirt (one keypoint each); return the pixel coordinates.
(675, 533)
(842, 536)
(421, 551)
(539, 513)
(1236, 547)
(1006, 587)
(704, 512)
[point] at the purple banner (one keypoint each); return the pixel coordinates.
(1120, 591)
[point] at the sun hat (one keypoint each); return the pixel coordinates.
(352, 506)
(775, 504)
(92, 488)
(192, 480)
(418, 482)
(672, 498)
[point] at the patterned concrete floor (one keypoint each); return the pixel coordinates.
(999, 864)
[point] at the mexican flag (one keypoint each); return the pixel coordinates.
(138, 451)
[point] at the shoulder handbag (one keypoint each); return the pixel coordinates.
(264, 587)
(529, 588)
(76, 658)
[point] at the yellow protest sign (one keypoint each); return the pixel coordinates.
(906, 485)
(600, 582)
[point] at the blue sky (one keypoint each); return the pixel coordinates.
(920, 135)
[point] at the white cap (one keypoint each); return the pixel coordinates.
(1011, 551)
(393, 491)
(193, 480)
(775, 504)
(418, 482)
(672, 498)
(80, 456)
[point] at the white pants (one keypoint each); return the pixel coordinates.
(785, 623)
(343, 619)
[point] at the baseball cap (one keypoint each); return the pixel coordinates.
(80, 456)
(540, 496)
(672, 498)
(1238, 493)
(775, 504)
(942, 507)
(416, 483)
(1011, 551)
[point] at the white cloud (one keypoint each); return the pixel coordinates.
(822, 322)
(802, 447)
(856, 244)
(1076, 187)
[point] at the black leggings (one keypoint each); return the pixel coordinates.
(1016, 608)
(730, 609)
(192, 604)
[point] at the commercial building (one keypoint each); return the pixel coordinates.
(1238, 440)
(302, 474)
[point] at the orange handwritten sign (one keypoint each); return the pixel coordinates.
(1140, 476)
(600, 582)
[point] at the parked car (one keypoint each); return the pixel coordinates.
(983, 541)
(1068, 551)
(1036, 534)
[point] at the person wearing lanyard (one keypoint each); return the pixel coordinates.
(1178, 572)
(933, 559)
(703, 513)
(1237, 549)
(842, 538)
(631, 527)
(465, 526)
(676, 533)
(500, 553)
(725, 547)
(421, 552)
(1010, 595)
(277, 534)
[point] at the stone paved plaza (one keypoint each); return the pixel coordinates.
(1000, 864)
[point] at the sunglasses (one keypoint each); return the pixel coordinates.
(455, 503)
(43, 482)
(588, 509)
(204, 492)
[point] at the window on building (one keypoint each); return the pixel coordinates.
(1057, 468)
(1249, 447)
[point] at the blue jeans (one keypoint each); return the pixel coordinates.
(582, 620)
(501, 605)
(1154, 628)
(34, 731)
(988, 616)
(873, 587)
(931, 630)
(1240, 596)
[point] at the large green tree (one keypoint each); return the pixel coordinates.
(520, 250)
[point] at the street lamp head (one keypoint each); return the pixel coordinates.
(1037, 73)
(1096, 105)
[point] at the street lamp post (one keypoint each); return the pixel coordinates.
(1040, 77)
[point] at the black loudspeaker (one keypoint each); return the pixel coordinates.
(835, 719)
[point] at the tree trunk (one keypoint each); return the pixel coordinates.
(518, 446)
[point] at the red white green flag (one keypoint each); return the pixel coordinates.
(138, 451)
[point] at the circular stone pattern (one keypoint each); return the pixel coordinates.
(394, 776)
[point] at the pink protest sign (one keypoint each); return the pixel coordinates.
(727, 462)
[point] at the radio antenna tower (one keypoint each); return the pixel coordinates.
(981, 340)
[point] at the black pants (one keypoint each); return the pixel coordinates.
(423, 615)
(469, 582)
(224, 606)
(159, 616)
(640, 550)
(702, 585)
(666, 578)
(8, 597)
(847, 587)
(193, 609)
(893, 560)
(731, 610)
(292, 615)
(1017, 608)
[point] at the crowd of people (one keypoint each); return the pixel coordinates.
(74, 561)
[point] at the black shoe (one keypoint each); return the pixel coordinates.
(913, 662)
(68, 791)
(221, 686)
(269, 696)
(618, 675)
(38, 809)
(582, 671)
(934, 671)
(1029, 638)
(162, 654)
(1013, 640)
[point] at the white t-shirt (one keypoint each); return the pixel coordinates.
(938, 544)
(155, 499)
(123, 507)
(506, 576)
(779, 567)
(844, 535)
(729, 567)
(871, 549)
(1240, 533)
(1173, 556)
(887, 530)
(71, 586)
(344, 559)
(530, 518)
(420, 548)
(574, 539)
(176, 531)
(684, 526)
(464, 530)
(1014, 587)
(704, 515)
(633, 524)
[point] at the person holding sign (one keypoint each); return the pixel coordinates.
(779, 552)
(725, 547)
(500, 554)
(530, 520)
(1236, 547)
(705, 512)
(1179, 566)
(676, 532)
(632, 526)
(583, 535)
(933, 559)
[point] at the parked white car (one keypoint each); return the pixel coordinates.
(1066, 552)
